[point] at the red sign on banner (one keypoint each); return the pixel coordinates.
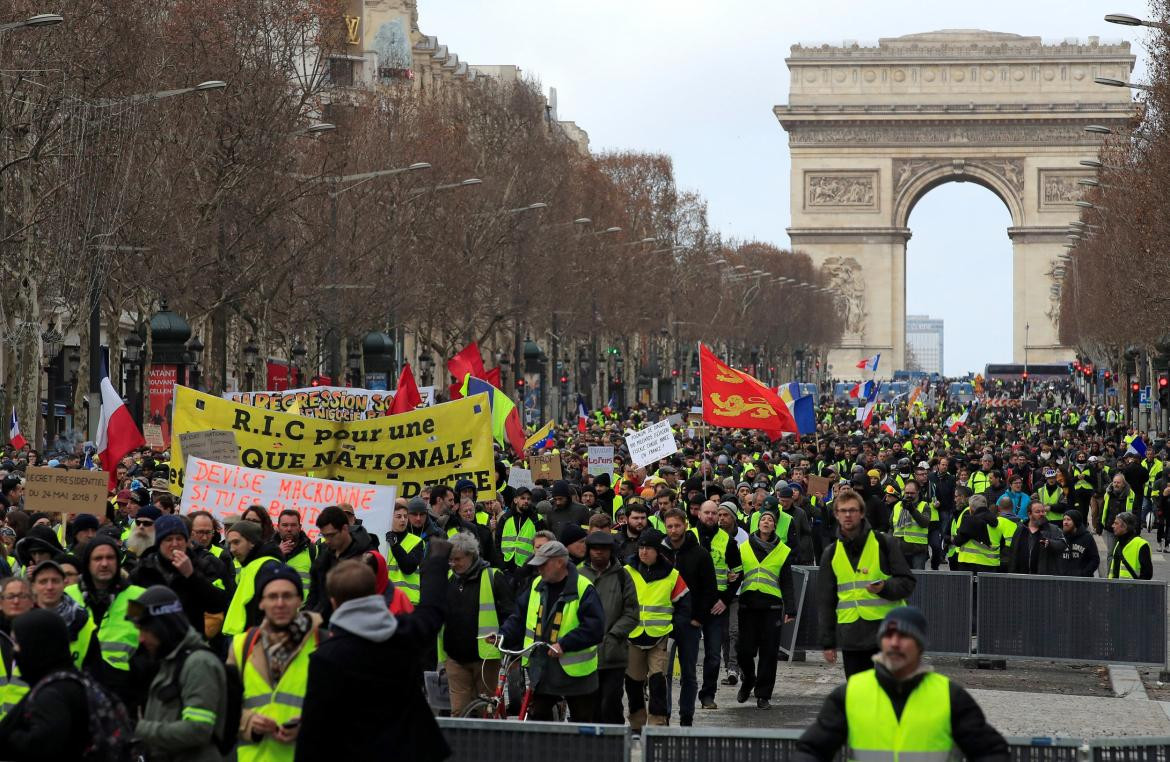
(160, 390)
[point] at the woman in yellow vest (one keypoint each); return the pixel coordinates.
(901, 710)
(478, 599)
(15, 600)
(1130, 557)
(275, 672)
(662, 600)
(765, 595)
(560, 608)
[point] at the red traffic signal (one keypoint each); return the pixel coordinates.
(1025, 375)
(1108, 375)
(1163, 382)
(564, 379)
(519, 383)
(1134, 387)
(674, 373)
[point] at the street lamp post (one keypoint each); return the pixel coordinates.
(132, 356)
(41, 19)
(250, 355)
(195, 349)
(298, 361)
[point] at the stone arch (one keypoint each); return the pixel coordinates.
(926, 175)
(872, 129)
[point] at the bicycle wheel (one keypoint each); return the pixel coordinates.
(478, 709)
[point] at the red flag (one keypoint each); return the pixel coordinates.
(515, 431)
(732, 398)
(406, 398)
(493, 377)
(467, 362)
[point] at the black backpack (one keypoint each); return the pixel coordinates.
(110, 729)
(235, 691)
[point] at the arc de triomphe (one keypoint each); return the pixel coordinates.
(872, 129)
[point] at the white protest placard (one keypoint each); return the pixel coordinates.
(675, 420)
(520, 477)
(651, 443)
(600, 460)
(226, 491)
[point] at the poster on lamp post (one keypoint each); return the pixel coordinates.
(160, 390)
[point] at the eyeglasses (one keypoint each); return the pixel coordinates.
(16, 596)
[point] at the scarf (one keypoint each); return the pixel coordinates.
(73, 614)
(280, 645)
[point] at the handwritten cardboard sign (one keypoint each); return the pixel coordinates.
(153, 434)
(651, 443)
(600, 460)
(59, 490)
(546, 466)
(219, 446)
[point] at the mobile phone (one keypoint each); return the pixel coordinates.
(294, 722)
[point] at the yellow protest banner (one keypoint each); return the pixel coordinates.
(433, 445)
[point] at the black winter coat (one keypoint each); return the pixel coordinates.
(197, 593)
(388, 713)
(318, 600)
(1030, 557)
(978, 741)
(695, 566)
(1080, 557)
(53, 727)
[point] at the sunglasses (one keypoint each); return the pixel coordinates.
(144, 522)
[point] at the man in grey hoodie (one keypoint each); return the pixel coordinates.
(368, 673)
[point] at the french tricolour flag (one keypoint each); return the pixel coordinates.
(870, 363)
(889, 426)
(582, 414)
(862, 390)
(17, 441)
(117, 434)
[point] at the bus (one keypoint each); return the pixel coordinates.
(1036, 371)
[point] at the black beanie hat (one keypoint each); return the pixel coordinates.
(272, 572)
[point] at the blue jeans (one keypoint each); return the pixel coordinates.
(712, 655)
(686, 644)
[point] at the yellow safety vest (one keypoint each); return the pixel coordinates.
(302, 562)
(763, 575)
(975, 552)
(12, 689)
(516, 542)
(853, 600)
(574, 663)
(117, 636)
(1007, 530)
(488, 621)
(281, 702)
(218, 552)
(718, 556)
(979, 482)
(236, 620)
(408, 582)
(655, 607)
(1131, 554)
(909, 530)
(921, 734)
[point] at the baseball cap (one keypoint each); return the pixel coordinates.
(551, 549)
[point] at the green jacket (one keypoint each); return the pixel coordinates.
(184, 729)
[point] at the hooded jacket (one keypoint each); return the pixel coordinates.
(620, 601)
(376, 656)
(165, 727)
(395, 598)
(1080, 557)
(51, 721)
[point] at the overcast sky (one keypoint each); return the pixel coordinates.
(698, 80)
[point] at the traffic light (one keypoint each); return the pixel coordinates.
(564, 379)
(1163, 382)
(1025, 375)
(674, 372)
(1108, 378)
(1164, 390)
(1134, 387)
(520, 384)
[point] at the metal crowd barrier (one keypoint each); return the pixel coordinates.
(1130, 749)
(512, 741)
(1071, 618)
(673, 744)
(945, 597)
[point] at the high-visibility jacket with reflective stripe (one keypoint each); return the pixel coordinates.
(975, 552)
(236, 620)
(218, 552)
(905, 528)
(1007, 530)
(1132, 555)
(281, 702)
(117, 636)
(921, 734)
(954, 549)
(718, 556)
(1105, 512)
(655, 607)
(1081, 478)
(516, 541)
(1154, 470)
(763, 574)
(408, 582)
(301, 563)
(978, 482)
(487, 621)
(12, 689)
(853, 600)
(574, 663)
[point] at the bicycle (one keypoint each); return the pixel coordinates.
(495, 707)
